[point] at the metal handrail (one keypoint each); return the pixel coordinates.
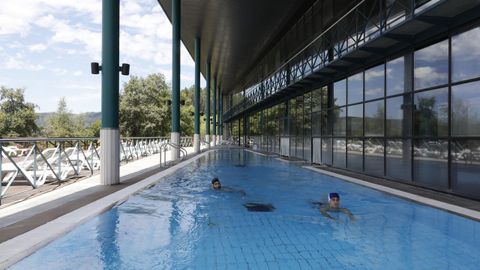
(165, 145)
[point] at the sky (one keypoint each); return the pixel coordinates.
(46, 47)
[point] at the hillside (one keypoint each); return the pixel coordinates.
(90, 117)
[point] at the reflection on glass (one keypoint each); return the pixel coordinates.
(339, 148)
(465, 55)
(395, 76)
(374, 156)
(431, 113)
(339, 123)
(327, 151)
(326, 128)
(466, 109)
(355, 121)
(374, 118)
(466, 167)
(307, 145)
(398, 116)
(430, 162)
(398, 159)
(431, 65)
(317, 100)
(340, 92)
(355, 88)
(375, 82)
(316, 123)
(355, 154)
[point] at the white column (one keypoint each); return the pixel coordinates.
(214, 140)
(207, 139)
(109, 156)
(175, 139)
(196, 143)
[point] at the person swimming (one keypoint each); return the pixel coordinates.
(334, 206)
(216, 185)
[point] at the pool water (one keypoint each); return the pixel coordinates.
(181, 223)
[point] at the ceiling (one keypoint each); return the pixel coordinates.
(235, 34)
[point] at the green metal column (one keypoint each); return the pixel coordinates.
(176, 66)
(220, 113)
(110, 60)
(197, 86)
(109, 134)
(207, 104)
(214, 103)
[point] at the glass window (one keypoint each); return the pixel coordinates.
(431, 113)
(316, 100)
(327, 151)
(374, 118)
(398, 158)
(355, 88)
(355, 121)
(466, 109)
(465, 167)
(431, 65)
(430, 163)
(326, 125)
(398, 116)
(355, 154)
(465, 55)
(374, 156)
(339, 123)
(339, 153)
(316, 123)
(340, 93)
(396, 76)
(375, 82)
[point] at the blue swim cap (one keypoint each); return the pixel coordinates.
(333, 195)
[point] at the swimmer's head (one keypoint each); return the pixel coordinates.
(216, 183)
(334, 199)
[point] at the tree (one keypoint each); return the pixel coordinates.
(64, 124)
(17, 117)
(144, 109)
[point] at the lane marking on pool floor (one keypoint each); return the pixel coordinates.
(417, 198)
(17, 248)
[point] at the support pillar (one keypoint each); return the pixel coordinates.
(109, 133)
(175, 135)
(220, 116)
(207, 107)
(214, 103)
(196, 136)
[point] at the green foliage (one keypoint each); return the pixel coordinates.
(65, 124)
(17, 117)
(144, 109)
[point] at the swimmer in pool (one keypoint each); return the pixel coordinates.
(334, 206)
(216, 185)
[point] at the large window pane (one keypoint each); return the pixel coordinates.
(466, 167)
(375, 82)
(374, 156)
(339, 153)
(465, 55)
(431, 65)
(430, 165)
(398, 158)
(431, 113)
(316, 100)
(466, 109)
(355, 88)
(339, 121)
(355, 121)
(355, 154)
(396, 76)
(340, 93)
(374, 118)
(327, 151)
(398, 116)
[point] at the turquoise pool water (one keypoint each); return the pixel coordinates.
(181, 223)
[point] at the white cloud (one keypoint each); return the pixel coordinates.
(18, 62)
(37, 47)
(77, 73)
(60, 71)
(427, 75)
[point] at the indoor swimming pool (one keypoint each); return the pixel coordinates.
(182, 223)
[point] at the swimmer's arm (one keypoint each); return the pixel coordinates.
(323, 211)
(348, 213)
